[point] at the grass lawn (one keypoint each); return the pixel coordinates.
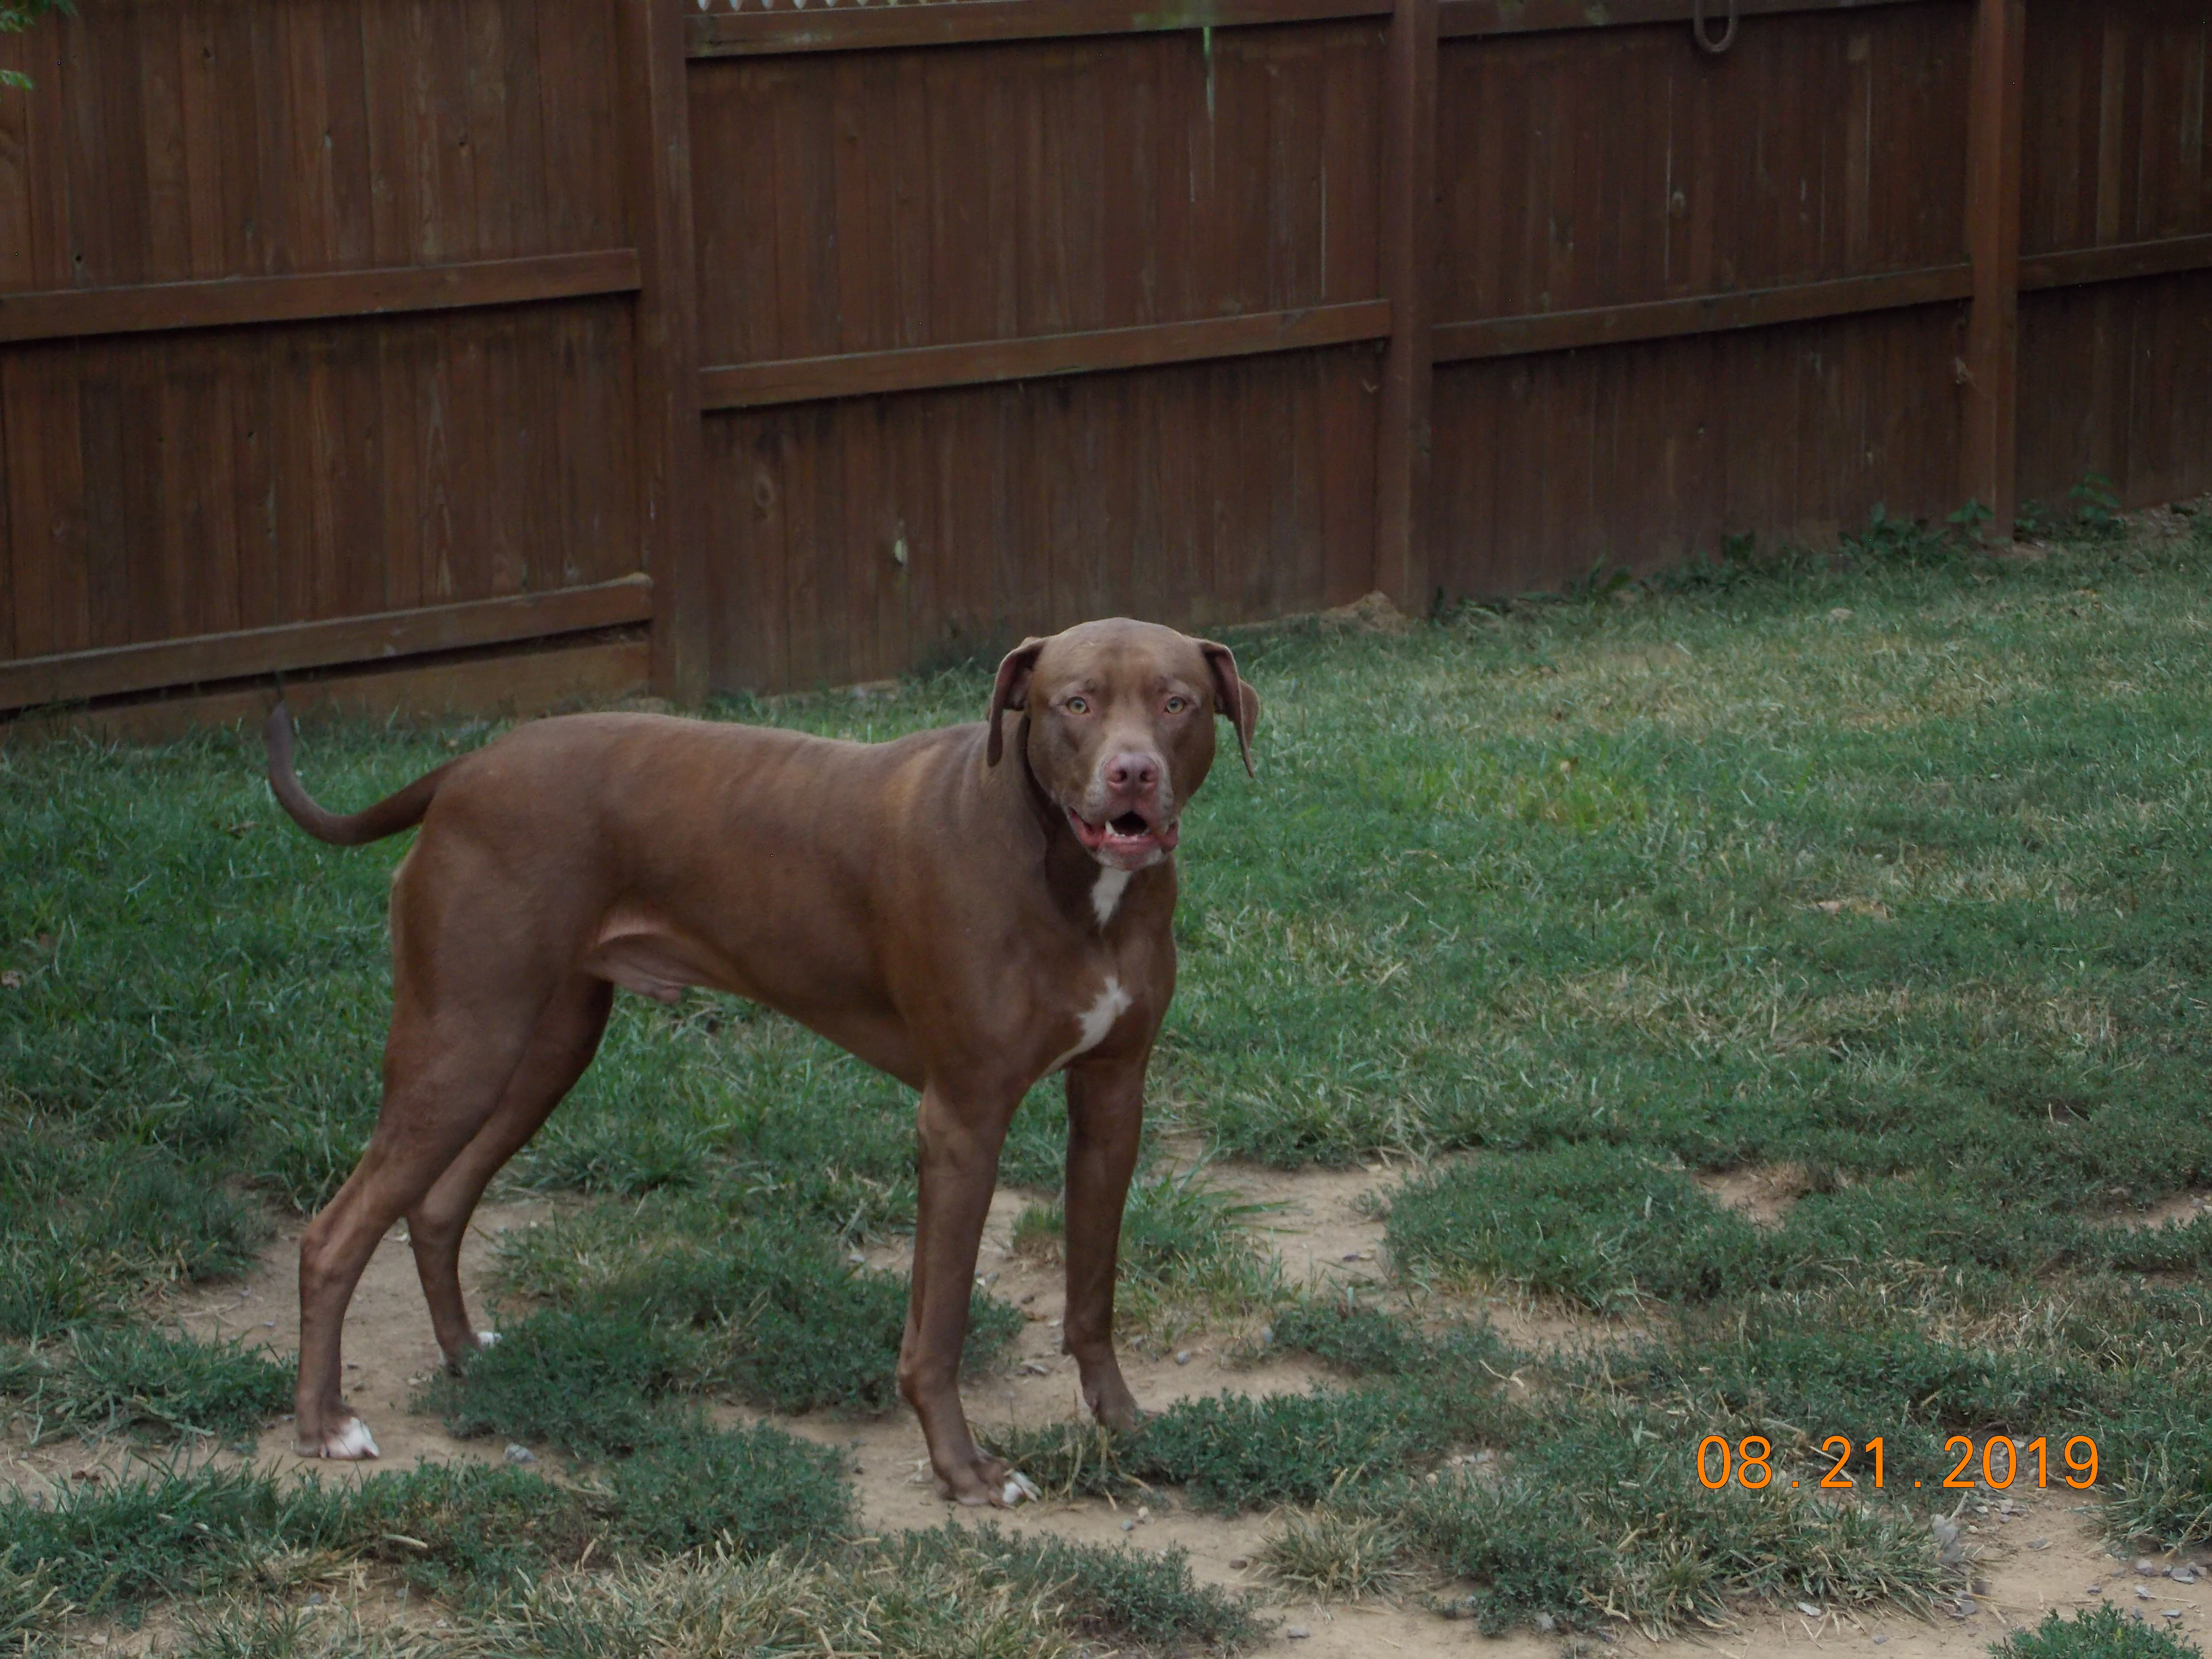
(1880, 883)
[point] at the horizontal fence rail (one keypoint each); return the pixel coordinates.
(228, 303)
(955, 22)
(292, 647)
(754, 386)
(2077, 267)
(1662, 319)
(1478, 17)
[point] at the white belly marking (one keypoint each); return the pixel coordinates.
(1097, 1020)
(1107, 895)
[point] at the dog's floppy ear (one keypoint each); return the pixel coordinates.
(1233, 700)
(1012, 691)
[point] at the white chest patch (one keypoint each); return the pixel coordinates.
(1097, 1020)
(1106, 897)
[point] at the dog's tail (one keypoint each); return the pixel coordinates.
(387, 817)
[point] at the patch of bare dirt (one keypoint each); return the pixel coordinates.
(1324, 1224)
(2179, 1211)
(1762, 1193)
(1370, 613)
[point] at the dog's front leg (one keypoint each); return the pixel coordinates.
(960, 1138)
(1105, 1119)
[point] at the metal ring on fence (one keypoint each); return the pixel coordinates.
(1698, 28)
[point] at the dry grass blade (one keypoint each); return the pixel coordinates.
(1330, 1556)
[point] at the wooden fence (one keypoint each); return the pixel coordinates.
(484, 350)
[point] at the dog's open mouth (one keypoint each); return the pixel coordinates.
(1129, 837)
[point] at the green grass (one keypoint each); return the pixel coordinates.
(1600, 1224)
(1892, 870)
(461, 1529)
(767, 1309)
(950, 1594)
(710, 1523)
(149, 1384)
(592, 1383)
(1232, 1452)
(1603, 1518)
(1332, 1556)
(2099, 1633)
(754, 1489)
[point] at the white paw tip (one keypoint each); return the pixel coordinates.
(486, 1339)
(1017, 1487)
(353, 1441)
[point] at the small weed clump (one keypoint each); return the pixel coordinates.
(31, 1606)
(1356, 1340)
(1333, 1556)
(1234, 1452)
(1145, 1598)
(755, 1490)
(2099, 1633)
(592, 1383)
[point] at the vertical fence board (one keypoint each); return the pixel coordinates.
(655, 168)
(1992, 361)
(1407, 188)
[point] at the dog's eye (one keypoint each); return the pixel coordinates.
(1176, 705)
(1078, 706)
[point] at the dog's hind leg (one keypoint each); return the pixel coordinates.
(567, 1037)
(440, 1086)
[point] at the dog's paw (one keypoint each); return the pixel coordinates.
(987, 1482)
(349, 1443)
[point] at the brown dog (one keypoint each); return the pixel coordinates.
(966, 925)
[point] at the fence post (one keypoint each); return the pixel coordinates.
(656, 167)
(1993, 185)
(1409, 272)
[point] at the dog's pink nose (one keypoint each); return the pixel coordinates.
(1133, 774)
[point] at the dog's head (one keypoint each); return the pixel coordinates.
(1121, 728)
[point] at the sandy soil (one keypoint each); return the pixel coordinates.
(2038, 1554)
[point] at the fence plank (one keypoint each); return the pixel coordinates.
(71, 313)
(2076, 266)
(753, 34)
(1466, 17)
(1407, 186)
(1706, 314)
(1991, 364)
(655, 152)
(860, 374)
(32, 681)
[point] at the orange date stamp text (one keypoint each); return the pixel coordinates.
(1749, 1462)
